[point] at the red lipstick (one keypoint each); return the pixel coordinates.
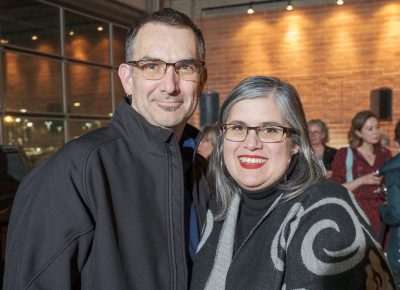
(252, 161)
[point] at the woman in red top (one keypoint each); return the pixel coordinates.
(368, 157)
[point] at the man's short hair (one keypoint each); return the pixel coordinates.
(166, 16)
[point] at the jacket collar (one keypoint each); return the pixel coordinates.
(140, 132)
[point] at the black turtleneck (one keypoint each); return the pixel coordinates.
(253, 206)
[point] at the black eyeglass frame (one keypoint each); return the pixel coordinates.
(286, 131)
(167, 64)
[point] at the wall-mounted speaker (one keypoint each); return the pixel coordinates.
(209, 108)
(381, 103)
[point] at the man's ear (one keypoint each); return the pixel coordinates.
(124, 72)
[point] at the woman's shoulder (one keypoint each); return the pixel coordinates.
(341, 153)
(330, 149)
(342, 150)
(383, 152)
(325, 189)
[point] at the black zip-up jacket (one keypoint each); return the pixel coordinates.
(108, 211)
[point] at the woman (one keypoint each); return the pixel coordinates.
(274, 222)
(364, 157)
(319, 136)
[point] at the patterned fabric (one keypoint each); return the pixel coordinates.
(365, 194)
(318, 240)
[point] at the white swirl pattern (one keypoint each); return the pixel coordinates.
(207, 230)
(294, 213)
(354, 253)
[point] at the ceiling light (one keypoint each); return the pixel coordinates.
(8, 119)
(100, 28)
(339, 2)
(289, 6)
(71, 33)
(34, 37)
(250, 10)
(3, 41)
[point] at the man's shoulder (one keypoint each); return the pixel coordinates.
(392, 164)
(76, 151)
(95, 138)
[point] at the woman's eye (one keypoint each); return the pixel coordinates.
(238, 128)
(270, 130)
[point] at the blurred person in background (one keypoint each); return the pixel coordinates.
(385, 141)
(319, 136)
(207, 142)
(356, 166)
(390, 211)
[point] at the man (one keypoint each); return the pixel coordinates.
(112, 209)
(390, 212)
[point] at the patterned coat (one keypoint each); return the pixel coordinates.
(320, 239)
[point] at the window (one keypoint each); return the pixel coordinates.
(31, 83)
(31, 25)
(88, 90)
(59, 75)
(86, 38)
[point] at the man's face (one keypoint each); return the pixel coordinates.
(170, 101)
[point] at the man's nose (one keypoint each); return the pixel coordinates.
(170, 81)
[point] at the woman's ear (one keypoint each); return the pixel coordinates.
(358, 133)
(295, 149)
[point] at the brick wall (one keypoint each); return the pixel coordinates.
(334, 56)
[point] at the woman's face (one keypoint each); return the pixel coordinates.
(206, 146)
(370, 132)
(253, 164)
(316, 134)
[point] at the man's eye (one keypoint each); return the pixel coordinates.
(150, 66)
(186, 67)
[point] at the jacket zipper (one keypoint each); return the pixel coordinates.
(170, 220)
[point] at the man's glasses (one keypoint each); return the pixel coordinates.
(266, 134)
(188, 70)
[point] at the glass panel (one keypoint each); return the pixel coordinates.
(119, 37)
(39, 138)
(118, 89)
(86, 38)
(79, 128)
(89, 90)
(31, 83)
(30, 24)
